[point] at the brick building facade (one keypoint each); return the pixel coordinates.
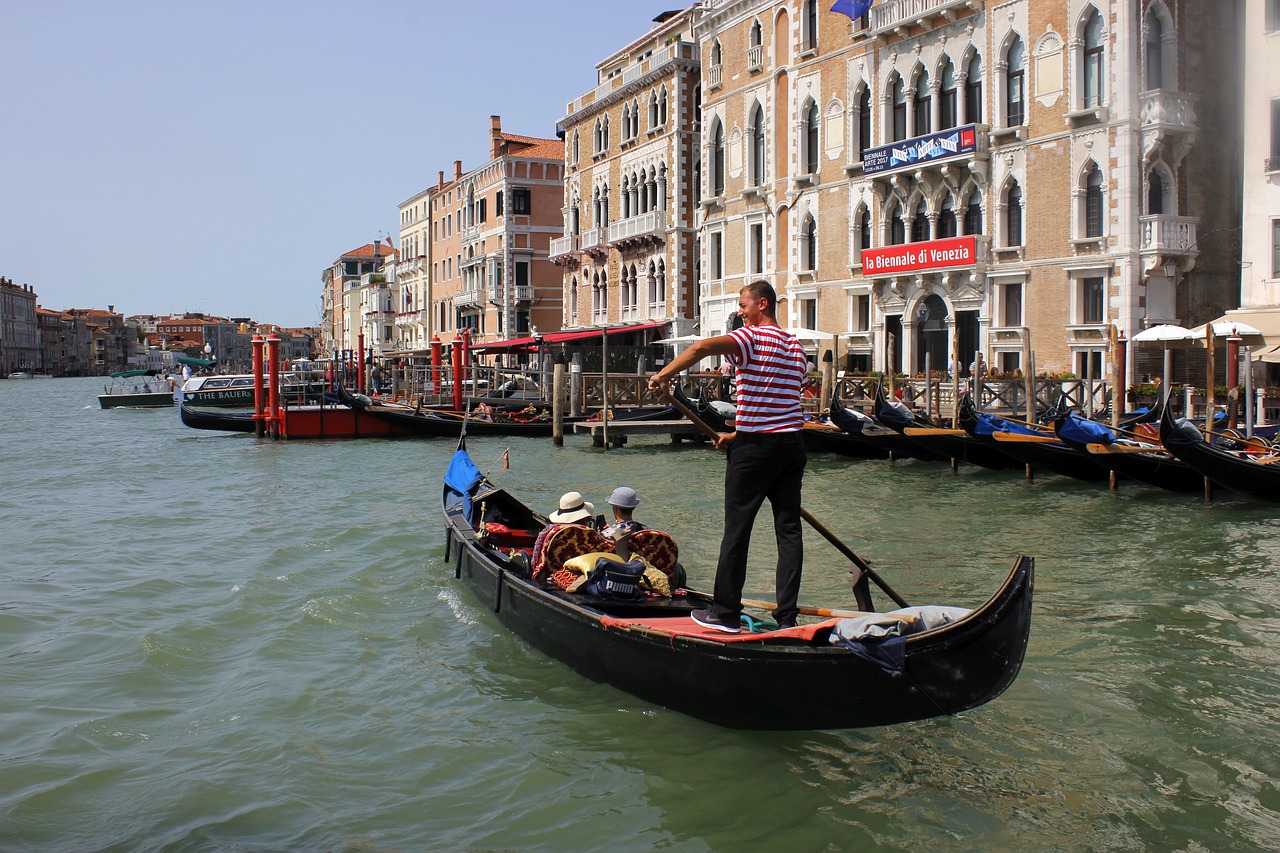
(958, 173)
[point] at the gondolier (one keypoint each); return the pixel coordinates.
(766, 452)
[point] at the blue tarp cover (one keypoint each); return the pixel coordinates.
(988, 424)
(894, 414)
(1084, 431)
(462, 478)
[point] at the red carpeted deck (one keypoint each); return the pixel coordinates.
(684, 626)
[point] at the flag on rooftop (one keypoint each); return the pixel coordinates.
(853, 8)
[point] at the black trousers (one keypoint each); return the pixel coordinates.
(760, 466)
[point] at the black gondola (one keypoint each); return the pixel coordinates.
(941, 442)
(885, 442)
(441, 424)
(1038, 449)
(1148, 463)
(223, 421)
(1229, 465)
(785, 680)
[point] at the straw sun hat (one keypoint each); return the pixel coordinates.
(572, 508)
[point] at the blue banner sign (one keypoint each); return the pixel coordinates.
(921, 149)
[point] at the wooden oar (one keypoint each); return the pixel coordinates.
(932, 431)
(1123, 448)
(804, 513)
(830, 613)
(825, 612)
(1023, 437)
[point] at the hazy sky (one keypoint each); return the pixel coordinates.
(216, 156)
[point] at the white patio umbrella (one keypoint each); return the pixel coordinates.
(1171, 337)
(807, 334)
(1224, 328)
(681, 339)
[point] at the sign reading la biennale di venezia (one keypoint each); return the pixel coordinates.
(915, 257)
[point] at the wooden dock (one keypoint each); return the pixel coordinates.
(679, 430)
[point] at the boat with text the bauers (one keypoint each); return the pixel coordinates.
(620, 614)
(236, 390)
(137, 389)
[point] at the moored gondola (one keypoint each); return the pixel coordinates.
(794, 678)
(1037, 448)
(1134, 458)
(433, 423)
(221, 421)
(935, 439)
(1231, 464)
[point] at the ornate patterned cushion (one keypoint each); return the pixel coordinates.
(564, 543)
(658, 549)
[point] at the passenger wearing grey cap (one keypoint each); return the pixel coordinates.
(623, 501)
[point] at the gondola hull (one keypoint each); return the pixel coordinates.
(1157, 468)
(830, 439)
(782, 684)
(1056, 458)
(1224, 467)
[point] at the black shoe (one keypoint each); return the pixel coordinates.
(786, 622)
(707, 619)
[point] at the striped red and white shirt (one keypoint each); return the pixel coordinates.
(771, 366)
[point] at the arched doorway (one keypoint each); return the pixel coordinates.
(931, 332)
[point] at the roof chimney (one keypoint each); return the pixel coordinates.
(442, 177)
(457, 170)
(495, 137)
(111, 309)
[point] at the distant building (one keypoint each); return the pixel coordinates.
(100, 341)
(490, 230)
(19, 332)
(342, 300)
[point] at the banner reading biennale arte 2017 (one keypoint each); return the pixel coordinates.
(920, 149)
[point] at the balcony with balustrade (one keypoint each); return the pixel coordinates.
(652, 67)
(1165, 238)
(1165, 116)
(564, 249)
(595, 241)
(646, 227)
(405, 319)
(898, 17)
(468, 299)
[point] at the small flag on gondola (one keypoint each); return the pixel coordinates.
(853, 8)
(506, 459)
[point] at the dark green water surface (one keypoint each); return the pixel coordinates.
(212, 642)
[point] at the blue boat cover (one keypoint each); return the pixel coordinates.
(1184, 433)
(849, 420)
(1078, 430)
(894, 414)
(462, 478)
(988, 424)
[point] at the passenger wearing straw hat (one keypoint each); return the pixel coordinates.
(573, 510)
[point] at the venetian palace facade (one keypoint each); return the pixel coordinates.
(628, 250)
(997, 176)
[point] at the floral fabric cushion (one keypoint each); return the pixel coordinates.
(657, 548)
(564, 543)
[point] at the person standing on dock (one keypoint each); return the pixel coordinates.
(766, 452)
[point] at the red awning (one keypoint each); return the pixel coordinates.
(583, 334)
(509, 344)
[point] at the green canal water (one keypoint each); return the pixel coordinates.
(213, 642)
